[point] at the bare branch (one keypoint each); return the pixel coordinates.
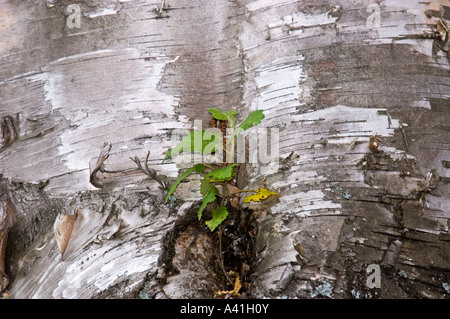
(151, 172)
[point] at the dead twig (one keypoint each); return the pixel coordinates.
(222, 267)
(151, 172)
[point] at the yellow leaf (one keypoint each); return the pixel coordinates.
(234, 292)
(237, 286)
(261, 193)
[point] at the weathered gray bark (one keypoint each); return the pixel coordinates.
(137, 71)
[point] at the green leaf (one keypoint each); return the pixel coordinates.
(196, 141)
(252, 119)
(209, 192)
(221, 115)
(221, 174)
(205, 185)
(224, 116)
(199, 168)
(218, 216)
(231, 112)
(218, 114)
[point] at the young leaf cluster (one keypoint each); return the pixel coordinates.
(206, 142)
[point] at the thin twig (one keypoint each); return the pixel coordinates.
(224, 271)
(151, 172)
(219, 234)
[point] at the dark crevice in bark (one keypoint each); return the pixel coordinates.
(189, 247)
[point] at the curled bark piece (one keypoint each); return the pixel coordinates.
(114, 226)
(102, 157)
(63, 228)
(390, 258)
(374, 142)
(286, 278)
(442, 29)
(9, 131)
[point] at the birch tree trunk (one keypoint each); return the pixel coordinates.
(329, 75)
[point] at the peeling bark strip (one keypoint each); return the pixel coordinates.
(63, 228)
(4, 228)
(7, 221)
(135, 73)
(102, 253)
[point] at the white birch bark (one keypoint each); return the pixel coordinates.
(137, 72)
